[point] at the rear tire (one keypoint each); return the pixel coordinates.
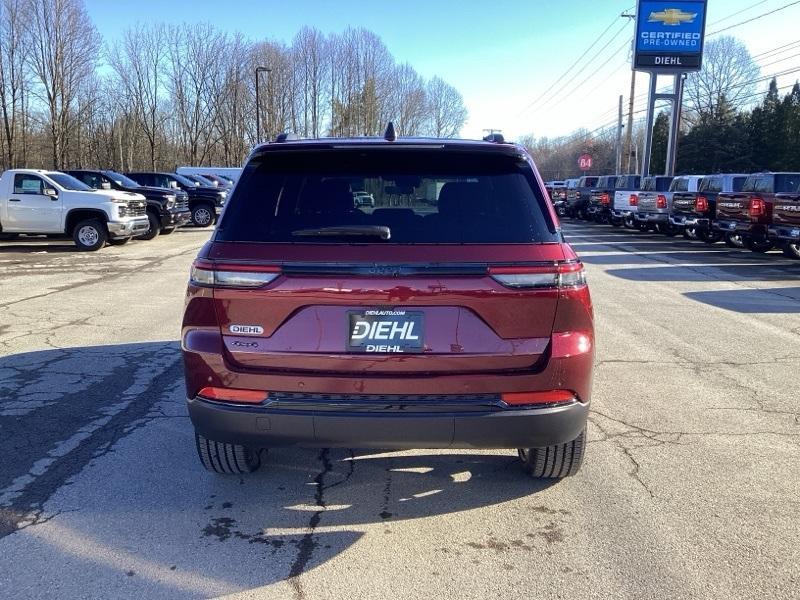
(226, 459)
(554, 462)
(90, 235)
(710, 237)
(167, 230)
(791, 250)
(759, 246)
(733, 240)
(119, 241)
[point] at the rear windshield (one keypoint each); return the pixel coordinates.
(787, 183)
(587, 182)
(711, 184)
(680, 184)
(628, 183)
(657, 184)
(415, 197)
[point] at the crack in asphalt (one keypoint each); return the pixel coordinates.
(29, 502)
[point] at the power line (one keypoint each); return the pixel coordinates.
(761, 16)
(738, 12)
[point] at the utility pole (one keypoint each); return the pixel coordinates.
(618, 144)
(629, 130)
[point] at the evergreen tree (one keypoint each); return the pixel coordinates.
(658, 159)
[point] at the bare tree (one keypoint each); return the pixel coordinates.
(728, 77)
(446, 111)
(139, 62)
(65, 47)
(411, 100)
(14, 49)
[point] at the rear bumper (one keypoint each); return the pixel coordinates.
(741, 227)
(128, 227)
(651, 217)
(689, 221)
(787, 233)
(342, 425)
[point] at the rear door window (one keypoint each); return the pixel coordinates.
(420, 197)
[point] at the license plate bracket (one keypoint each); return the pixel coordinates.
(385, 331)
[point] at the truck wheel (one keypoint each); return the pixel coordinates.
(155, 228)
(118, 241)
(791, 250)
(226, 459)
(167, 230)
(203, 215)
(90, 235)
(709, 237)
(760, 246)
(554, 462)
(668, 230)
(690, 233)
(733, 240)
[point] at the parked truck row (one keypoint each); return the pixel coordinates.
(96, 207)
(759, 211)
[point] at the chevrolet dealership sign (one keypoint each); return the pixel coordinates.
(669, 35)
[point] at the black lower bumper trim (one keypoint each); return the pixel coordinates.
(487, 428)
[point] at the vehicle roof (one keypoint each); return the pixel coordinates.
(379, 142)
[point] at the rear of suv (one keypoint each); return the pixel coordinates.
(450, 315)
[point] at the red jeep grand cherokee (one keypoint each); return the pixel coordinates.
(451, 314)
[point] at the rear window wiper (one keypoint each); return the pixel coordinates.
(379, 231)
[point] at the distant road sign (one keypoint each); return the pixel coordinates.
(585, 162)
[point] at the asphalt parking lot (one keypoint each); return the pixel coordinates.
(691, 488)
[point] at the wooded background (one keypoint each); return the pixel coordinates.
(162, 96)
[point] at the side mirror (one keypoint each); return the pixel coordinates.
(105, 186)
(52, 192)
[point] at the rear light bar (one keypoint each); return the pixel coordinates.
(661, 201)
(633, 200)
(233, 395)
(208, 274)
(758, 208)
(527, 398)
(556, 276)
(701, 204)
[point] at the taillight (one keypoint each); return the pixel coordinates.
(633, 200)
(209, 274)
(556, 276)
(233, 395)
(758, 208)
(701, 204)
(604, 199)
(661, 201)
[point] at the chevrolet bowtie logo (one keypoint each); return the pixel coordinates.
(672, 16)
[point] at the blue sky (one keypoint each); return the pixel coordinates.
(501, 55)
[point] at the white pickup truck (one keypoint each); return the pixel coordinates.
(49, 202)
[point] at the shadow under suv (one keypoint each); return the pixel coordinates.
(450, 315)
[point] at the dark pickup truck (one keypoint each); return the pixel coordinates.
(578, 197)
(600, 199)
(167, 209)
(205, 203)
(750, 213)
(694, 212)
(785, 228)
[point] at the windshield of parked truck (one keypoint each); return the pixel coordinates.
(68, 182)
(120, 179)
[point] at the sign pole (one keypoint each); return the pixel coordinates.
(675, 126)
(648, 132)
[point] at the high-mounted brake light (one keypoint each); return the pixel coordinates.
(234, 395)
(661, 201)
(701, 204)
(758, 208)
(208, 274)
(633, 200)
(558, 275)
(604, 199)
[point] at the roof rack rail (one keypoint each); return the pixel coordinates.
(495, 138)
(286, 137)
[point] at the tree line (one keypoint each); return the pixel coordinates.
(162, 96)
